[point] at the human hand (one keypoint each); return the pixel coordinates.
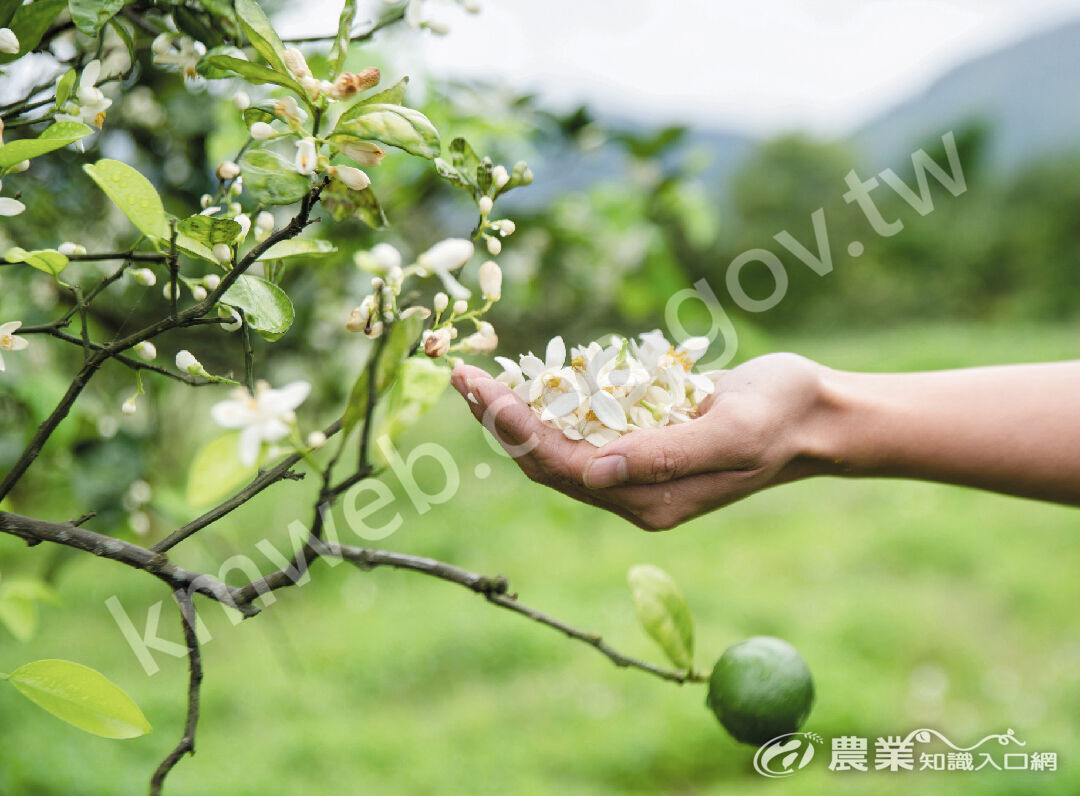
(755, 431)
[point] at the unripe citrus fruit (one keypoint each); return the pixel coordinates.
(760, 688)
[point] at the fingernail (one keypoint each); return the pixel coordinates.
(606, 471)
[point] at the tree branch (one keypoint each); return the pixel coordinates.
(187, 741)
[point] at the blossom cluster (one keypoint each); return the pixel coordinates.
(604, 392)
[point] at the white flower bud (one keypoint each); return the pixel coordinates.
(261, 131)
(67, 248)
(447, 255)
(20, 167)
(296, 63)
(240, 99)
(375, 331)
(377, 283)
(129, 406)
(461, 306)
(316, 439)
(227, 170)
(506, 227)
(145, 277)
(352, 177)
(212, 281)
(363, 152)
(480, 343)
(237, 186)
(472, 6)
(423, 312)
(9, 42)
(205, 200)
(162, 43)
(166, 290)
(359, 317)
(485, 204)
(437, 342)
(264, 222)
(244, 220)
(146, 350)
(222, 253)
(199, 292)
(491, 280)
(494, 246)
(442, 301)
(500, 176)
(186, 362)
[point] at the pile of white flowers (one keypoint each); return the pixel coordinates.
(607, 391)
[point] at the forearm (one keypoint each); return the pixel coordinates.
(1013, 429)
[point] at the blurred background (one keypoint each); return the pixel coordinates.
(666, 138)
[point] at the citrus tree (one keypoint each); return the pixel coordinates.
(314, 138)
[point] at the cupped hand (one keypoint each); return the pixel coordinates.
(755, 431)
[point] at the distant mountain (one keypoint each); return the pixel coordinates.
(1027, 93)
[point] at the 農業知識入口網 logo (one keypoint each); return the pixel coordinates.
(924, 749)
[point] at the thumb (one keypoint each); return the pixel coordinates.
(650, 456)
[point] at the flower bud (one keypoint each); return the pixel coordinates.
(500, 176)
(442, 301)
(506, 227)
(166, 290)
(227, 170)
(481, 343)
(205, 200)
(352, 177)
(296, 63)
(437, 342)
(67, 248)
(9, 42)
(359, 317)
(485, 204)
(20, 167)
(261, 131)
(146, 350)
(375, 331)
(186, 362)
(316, 439)
(237, 186)
(310, 85)
(363, 152)
(212, 281)
(222, 253)
(447, 255)
(145, 277)
(494, 246)
(349, 84)
(423, 312)
(264, 222)
(199, 292)
(491, 281)
(162, 44)
(244, 220)
(129, 407)
(461, 306)
(240, 99)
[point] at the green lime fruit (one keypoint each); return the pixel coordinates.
(760, 688)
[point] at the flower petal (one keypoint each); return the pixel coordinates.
(531, 366)
(556, 353)
(250, 443)
(18, 343)
(10, 327)
(608, 410)
(561, 406)
(10, 207)
(232, 414)
(273, 403)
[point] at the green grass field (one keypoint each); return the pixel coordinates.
(914, 604)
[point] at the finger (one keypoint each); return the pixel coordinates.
(460, 377)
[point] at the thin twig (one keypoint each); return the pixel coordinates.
(187, 740)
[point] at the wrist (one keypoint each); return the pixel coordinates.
(835, 421)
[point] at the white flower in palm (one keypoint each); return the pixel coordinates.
(8, 340)
(607, 391)
(266, 416)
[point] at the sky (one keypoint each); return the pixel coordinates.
(760, 66)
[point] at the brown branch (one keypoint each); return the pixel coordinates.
(187, 741)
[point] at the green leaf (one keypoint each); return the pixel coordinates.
(263, 112)
(266, 307)
(210, 231)
(402, 335)
(90, 16)
(133, 194)
(395, 95)
(418, 387)
(213, 71)
(7, 11)
(465, 160)
(48, 260)
(271, 179)
(261, 34)
(55, 136)
(227, 65)
(450, 174)
(216, 471)
(663, 612)
(198, 26)
(341, 42)
(393, 125)
(64, 86)
(29, 24)
(194, 248)
(81, 696)
(18, 605)
(298, 247)
(126, 34)
(342, 202)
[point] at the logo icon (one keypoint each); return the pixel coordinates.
(786, 754)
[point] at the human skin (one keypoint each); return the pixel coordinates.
(1013, 429)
